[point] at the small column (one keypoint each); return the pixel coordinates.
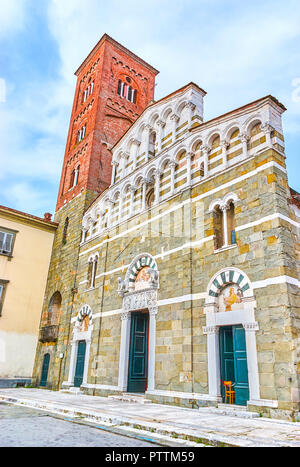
(124, 351)
(110, 208)
(114, 170)
(84, 231)
(225, 145)
(189, 156)
(191, 107)
(136, 144)
(148, 129)
(244, 139)
(133, 189)
(267, 129)
(224, 208)
(206, 150)
(76, 176)
(157, 175)
(175, 119)
(161, 125)
(253, 378)
(152, 343)
(144, 186)
(172, 165)
(213, 361)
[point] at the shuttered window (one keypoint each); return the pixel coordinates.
(3, 284)
(6, 240)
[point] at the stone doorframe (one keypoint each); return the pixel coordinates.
(216, 319)
(138, 301)
(79, 335)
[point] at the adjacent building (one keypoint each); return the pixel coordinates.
(25, 251)
(175, 264)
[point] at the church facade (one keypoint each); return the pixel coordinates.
(175, 266)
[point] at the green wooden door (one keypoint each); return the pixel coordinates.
(138, 353)
(240, 366)
(45, 369)
(233, 362)
(78, 378)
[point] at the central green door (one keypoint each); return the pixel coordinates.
(138, 352)
(233, 359)
(78, 378)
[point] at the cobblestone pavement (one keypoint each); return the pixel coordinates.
(24, 427)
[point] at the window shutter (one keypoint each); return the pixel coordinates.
(8, 243)
(2, 236)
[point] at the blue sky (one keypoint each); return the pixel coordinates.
(237, 51)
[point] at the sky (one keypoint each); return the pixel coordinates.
(237, 51)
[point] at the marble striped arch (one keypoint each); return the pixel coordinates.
(84, 311)
(137, 264)
(226, 277)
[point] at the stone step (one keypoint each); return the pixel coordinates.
(134, 398)
(231, 410)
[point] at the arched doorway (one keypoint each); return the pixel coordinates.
(45, 369)
(231, 341)
(138, 352)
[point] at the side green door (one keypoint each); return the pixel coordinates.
(78, 378)
(45, 369)
(240, 366)
(233, 362)
(138, 353)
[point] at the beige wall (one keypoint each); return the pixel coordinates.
(27, 273)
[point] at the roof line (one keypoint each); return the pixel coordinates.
(29, 216)
(106, 37)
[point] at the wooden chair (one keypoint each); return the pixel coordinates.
(229, 392)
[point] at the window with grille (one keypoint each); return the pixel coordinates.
(6, 242)
(81, 134)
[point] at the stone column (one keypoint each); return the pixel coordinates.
(244, 139)
(267, 129)
(191, 107)
(189, 156)
(152, 343)
(84, 231)
(253, 378)
(124, 351)
(224, 208)
(133, 189)
(175, 119)
(136, 144)
(213, 361)
(225, 145)
(172, 165)
(114, 170)
(158, 173)
(149, 129)
(206, 150)
(161, 125)
(110, 208)
(144, 186)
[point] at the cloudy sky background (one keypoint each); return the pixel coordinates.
(237, 51)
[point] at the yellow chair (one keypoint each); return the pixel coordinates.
(229, 392)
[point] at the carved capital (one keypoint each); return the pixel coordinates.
(251, 326)
(190, 105)
(161, 123)
(175, 118)
(225, 144)
(125, 316)
(189, 155)
(210, 330)
(206, 149)
(244, 137)
(266, 128)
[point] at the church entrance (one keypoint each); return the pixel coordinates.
(233, 362)
(138, 352)
(45, 369)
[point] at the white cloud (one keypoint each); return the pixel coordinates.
(12, 16)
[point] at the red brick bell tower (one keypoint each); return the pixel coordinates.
(113, 88)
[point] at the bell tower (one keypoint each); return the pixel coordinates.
(113, 88)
